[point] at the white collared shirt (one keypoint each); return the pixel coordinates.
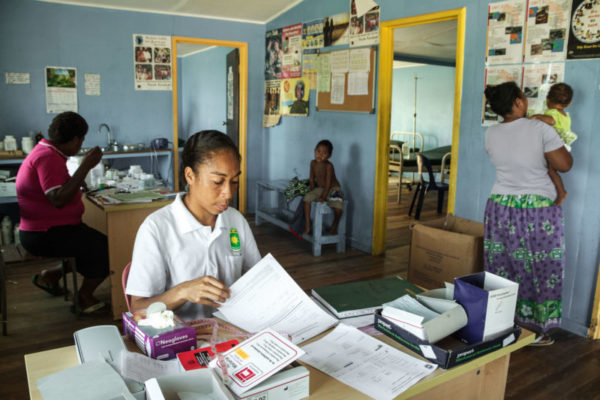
(172, 247)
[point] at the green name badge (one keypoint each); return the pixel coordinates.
(234, 240)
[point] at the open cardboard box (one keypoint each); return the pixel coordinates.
(443, 249)
(448, 352)
(195, 384)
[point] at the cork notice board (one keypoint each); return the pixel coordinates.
(355, 103)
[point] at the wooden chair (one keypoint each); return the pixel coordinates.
(16, 256)
(124, 277)
(424, 186)
(415, 143)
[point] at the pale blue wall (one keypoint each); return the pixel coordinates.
(203, 85)
(36, 34)
(435, 102)
(290, 146)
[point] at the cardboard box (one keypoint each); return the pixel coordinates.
(448, 352)
(289, 384)
(490, 302)
(160, 344)
(444, 249)
(421, 322)
(196, 384)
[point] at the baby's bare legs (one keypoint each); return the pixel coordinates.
(336, 221)
(306, 217)
(561, 193)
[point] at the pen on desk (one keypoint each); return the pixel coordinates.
(411, 292)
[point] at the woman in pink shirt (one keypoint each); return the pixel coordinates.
(51, 208)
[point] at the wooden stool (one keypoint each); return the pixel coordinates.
(16, 256)
(318, 211)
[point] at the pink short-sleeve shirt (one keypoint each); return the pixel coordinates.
(43, 170)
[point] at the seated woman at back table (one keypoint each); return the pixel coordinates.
(188, 253)
(51, 208)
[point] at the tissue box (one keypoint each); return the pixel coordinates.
(162, 344)
(451, 316)
(443, 249)
(196, 384)
(490, 302)
(448, 352)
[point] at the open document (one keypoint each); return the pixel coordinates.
(365, 363)
(267, 297)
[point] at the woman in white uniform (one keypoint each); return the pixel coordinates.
(188, 253)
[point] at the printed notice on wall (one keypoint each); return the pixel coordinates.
(291, 42)
(364, 27)
(323, 72)
(496, 76)
(506, 21)
(337, 88)
(17, 78)
(537, 79)
(584, 40)
(309, 66)
(547, 30)
(61, 89)
(152, 62)
(92, 84)
(312, 34)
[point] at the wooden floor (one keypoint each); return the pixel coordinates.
(570, 369)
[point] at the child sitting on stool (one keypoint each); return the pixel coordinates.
(323, 185)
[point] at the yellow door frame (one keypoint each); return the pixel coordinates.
(243, 69)
(384, 103)
(594, 330)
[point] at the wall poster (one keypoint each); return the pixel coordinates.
(496, 76)
(61, 89)
(152, 62)
(537, 79)
(584, 40)
(291, 43)
(272, 115)
(547, 30)
(364, 29)
(335, 29)
(294, 97)
(506, 22)
(273, 54)
(312, 34)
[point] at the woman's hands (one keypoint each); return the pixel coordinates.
(206, 290)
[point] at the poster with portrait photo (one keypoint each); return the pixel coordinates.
(272, 114)
(584, 39)
(364, 29)
(336, 29)
(312, 34)
(547, 30)
(537, 80)
(152, 62)
(294, 97)
(291, 49)
(273, 54)
(506, 23)
(496, 75)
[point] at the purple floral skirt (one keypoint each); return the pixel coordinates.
(524, 242)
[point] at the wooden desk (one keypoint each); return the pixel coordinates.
(482, 378)
(120, 224)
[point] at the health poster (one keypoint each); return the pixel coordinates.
(312, 34)
(272, 113)
(537, 79)
(61, 89)
(273, 54)
(547, 30)
(364, 29)
(335, 29)
(291, 43)
(496, 76)
(294, 97)
(584, 40)
(506, 22)
(309, 66)
(152, 62)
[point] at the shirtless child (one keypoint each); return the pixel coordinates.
(323, 185)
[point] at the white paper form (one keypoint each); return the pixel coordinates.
(256, 359)
(140, 368)
(337, 88)
(267, 297)
(364, 363)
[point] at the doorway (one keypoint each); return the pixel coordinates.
(384, 127)
(238, 107)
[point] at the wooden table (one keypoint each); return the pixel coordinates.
(120, 223)
(481, 378)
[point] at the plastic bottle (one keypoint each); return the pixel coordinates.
(10, 143)
(17, 234)
(7, 230)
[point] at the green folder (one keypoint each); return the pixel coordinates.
(360, 298)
